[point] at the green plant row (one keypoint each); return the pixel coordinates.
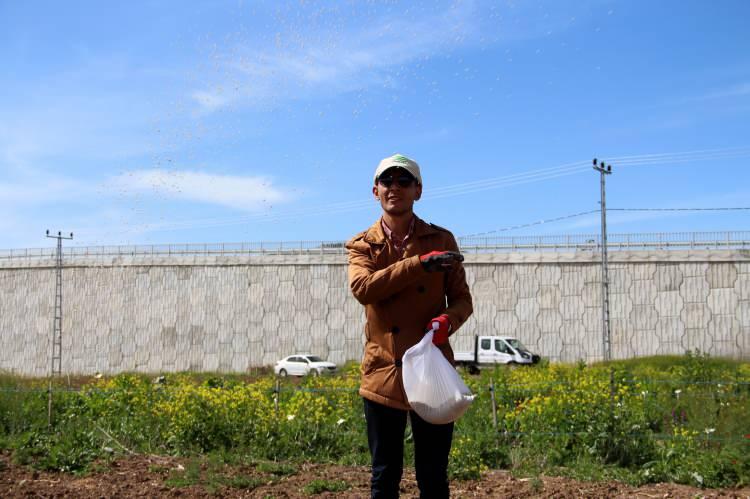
(680, 419)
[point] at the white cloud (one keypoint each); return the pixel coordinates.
(71, 126)
(344, 61)
(39, 188)
(733, 91)
(210, 101)
(247, 193)
(737, 90)
(323, 54)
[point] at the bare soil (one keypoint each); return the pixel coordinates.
(154, 476)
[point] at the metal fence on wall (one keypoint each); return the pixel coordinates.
(615, 242)
(469, 244)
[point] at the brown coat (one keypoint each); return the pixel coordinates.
(400, 298)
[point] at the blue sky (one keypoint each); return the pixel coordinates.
(208, 121)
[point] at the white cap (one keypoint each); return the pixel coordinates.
(399, 161)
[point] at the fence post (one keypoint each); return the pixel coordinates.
(49, 403)
(612, 392)
(494, 406)
(276, 391)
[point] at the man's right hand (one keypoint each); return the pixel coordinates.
(440, 261)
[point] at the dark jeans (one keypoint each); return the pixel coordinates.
(432, 444)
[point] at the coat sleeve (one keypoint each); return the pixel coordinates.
(460, 305)
(370, 284)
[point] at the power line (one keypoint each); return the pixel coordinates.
(542, 172)
(514, 179)
(471, 187)
(539, 222)
(459, 189)
(496, 185)
(684, 159)
(731, 208)
(582, 213)
(672, 155)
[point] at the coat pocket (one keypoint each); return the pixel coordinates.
(375, 359)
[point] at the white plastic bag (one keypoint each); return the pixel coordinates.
(433, 387)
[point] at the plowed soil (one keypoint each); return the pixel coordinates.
(153, 476)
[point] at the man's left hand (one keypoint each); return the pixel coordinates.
(441, 325)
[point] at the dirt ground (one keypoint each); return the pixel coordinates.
(153, 476)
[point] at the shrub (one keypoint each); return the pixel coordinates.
(679, 419)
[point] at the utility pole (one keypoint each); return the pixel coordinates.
(56, 368)
(604, 170)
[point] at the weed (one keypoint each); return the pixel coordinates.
(191, 475)
(537, 485)
(277, 469)
(69, 449)
(97, 468)
(680, 419)
(320, 485)
(158, 469)
(244, 482)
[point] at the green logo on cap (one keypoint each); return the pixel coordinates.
(401, 159)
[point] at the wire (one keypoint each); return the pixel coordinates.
(582, 213)
(514, 179)
(672, 155)
(732, 208)
(540, 222)
(464, 188)
(509, 178)
(492, 186)
(680, 159)
(460, 189)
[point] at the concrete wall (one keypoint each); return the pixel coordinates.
(232, 313)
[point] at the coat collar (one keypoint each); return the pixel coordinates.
(375, 234)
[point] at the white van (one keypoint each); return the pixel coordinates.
(495, 350)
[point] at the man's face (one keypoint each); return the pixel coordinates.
(397, 190)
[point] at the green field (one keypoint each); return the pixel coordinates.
(681, 419)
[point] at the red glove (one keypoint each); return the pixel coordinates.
(440, 261)
(441, 325)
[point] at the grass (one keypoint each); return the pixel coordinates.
(276, 469)
(536, 484)
(667, 418)
(320, 485)
(244, 482)
(212, 475)
(191, 475)
(667, 363)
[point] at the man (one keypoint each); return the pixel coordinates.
(408, 275)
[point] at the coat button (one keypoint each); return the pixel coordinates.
(395, 330)
(398, 362)
(421, 289)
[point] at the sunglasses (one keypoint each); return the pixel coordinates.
(401, 180)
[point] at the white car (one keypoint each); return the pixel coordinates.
(302, 365)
